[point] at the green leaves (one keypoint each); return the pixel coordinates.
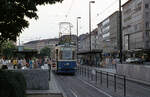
(46, 51)
(13, 13)
(8, 48)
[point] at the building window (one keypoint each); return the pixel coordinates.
(138, 7)
(135, 27)
(146, 6)
(147, 24)
(147, 33)
(147, 14)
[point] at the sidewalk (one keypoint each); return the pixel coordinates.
(52, 92)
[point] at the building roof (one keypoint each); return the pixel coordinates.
(83, 36)
(107, 17)
(43, 40)
(95, 31)
(126, 3)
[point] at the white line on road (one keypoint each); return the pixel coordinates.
(74, 94)
(95, 88)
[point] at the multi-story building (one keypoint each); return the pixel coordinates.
(84, 43)
(108, 34)
(136, 25)
(39, 44)
(94, 38)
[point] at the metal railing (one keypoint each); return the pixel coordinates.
(103, 77)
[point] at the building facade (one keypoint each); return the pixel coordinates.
(136, 25)
(39, 44)
(108, 34)
(84, 44)
(94, 38)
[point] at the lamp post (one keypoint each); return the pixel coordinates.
(77, 36)
(120, 30)
(90, 25)
(90, 21)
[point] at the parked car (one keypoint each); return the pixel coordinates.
(135, 60)
(130, 60)
(139, 60)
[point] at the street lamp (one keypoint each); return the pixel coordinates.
(90, 21)
(77, 36)
(120, 30)
(90, 24)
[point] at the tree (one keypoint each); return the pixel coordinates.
(8, 48)
(46, 51)
(14, 14)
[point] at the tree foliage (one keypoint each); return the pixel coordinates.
(14, 14)
(46, 51)
(8, 48)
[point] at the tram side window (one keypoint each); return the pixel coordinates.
(73, 55)
(60, 55)
(56, 54)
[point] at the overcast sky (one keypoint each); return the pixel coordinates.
(47, 26)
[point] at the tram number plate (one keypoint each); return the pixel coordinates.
(66, 64)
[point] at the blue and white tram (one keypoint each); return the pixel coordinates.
(65, 56)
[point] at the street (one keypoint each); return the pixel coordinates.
(72, 86)
(85, 84)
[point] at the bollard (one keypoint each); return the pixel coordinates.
(80, 70)
(88, 73)
(91, 76)
(49, 73)
(107, 79)
(96, 77)
(85, 71)
(101, 77)
(115, 83)
(124, 85)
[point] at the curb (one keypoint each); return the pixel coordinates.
(139, 81)
(60, 89)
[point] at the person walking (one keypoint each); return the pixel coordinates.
(4, 62)
(30, 63)
(15, 63)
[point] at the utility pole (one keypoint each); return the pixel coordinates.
(70, 33)
(120, 31)
(90, 21)
(77, 37)
(90, 26)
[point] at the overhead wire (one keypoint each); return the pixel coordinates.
(68, 12)
(108, 7)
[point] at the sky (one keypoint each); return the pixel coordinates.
(47, 26)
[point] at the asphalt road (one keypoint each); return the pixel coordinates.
(73, 86)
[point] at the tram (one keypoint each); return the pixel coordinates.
(65, 59)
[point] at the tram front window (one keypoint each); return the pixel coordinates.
(66, 55)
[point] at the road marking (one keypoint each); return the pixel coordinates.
(74, 94)
(95, 88)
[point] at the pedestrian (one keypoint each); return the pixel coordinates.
(4, 62)
(49, 63)
(30, 63)
(19, 63)
(1, 63)
(15, 63)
